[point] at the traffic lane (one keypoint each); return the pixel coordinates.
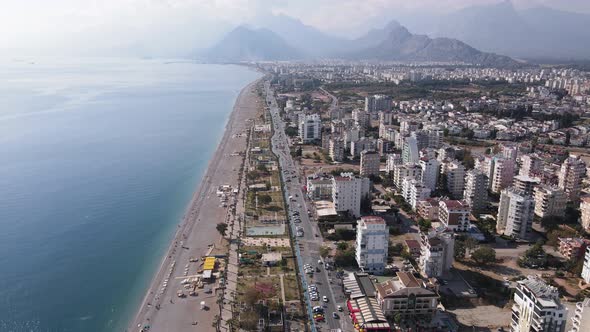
(322, 281)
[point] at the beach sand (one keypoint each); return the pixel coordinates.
(197, 231)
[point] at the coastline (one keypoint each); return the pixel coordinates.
(202, 211)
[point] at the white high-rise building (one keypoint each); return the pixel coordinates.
(430, 170)
(392, 160)
(309, 127)
(336, 149)
(515, 213)
(361, 118)
(372, 241)
(476, 191)
(585, 213)
(581, 317)
(437, 254)
(537, 307)
(400, 172)
(573, 170)
(370, 161)
(586, 268)
(549, 201)
(525, 183)
(502, 174)
(348, 192)
(455, 173)
(410, 152)
(364, 143)
(414, 191)
(406, 127)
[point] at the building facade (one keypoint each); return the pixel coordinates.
(370, 161)
(372, 240)
(310, 127)
(454, 215)
(537, 307)
(476, 191)
(515, 214)
(549, 201)
(437, 254)
(572, 171)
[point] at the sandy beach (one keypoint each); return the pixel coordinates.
(161, 309)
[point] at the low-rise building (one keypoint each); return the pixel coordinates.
(407, 296)
(428, 208)
(572, 248)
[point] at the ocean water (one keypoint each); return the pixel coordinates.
(98, 160)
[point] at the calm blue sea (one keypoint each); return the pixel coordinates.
(98, 160)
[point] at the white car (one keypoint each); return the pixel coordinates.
(325, 299)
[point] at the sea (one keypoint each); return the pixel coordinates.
(99, 159)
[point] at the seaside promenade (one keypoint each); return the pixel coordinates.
(161, 309)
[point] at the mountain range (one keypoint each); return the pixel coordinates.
(285, 38)
(532, 33)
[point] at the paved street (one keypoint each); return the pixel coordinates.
(312, 240)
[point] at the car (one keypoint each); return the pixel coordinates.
(335, 315)
(339, 308)
(325, 298)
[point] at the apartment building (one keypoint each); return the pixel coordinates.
(549, 201)
(586, 267)
(336, 149)
(400, 172)
(502, 173)
(370, 161)
(515, 214)
(430, 171)
(476, 191)
(378, 103)
(454, 215)
(585, 213)
(410, 152)
(455, 174)
(531, 165)
(573, 248)
(428, 208)
(525, 183)
(414, 191)
(309, 127)
(406, 295)
(392, 160)
(347, 193)
(537, 307)
(581, 317)
(437, 254)
(372, 239)
(573, 170)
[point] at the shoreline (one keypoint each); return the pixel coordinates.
(186, 232)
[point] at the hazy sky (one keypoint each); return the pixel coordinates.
(167, 27)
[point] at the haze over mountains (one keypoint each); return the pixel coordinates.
(476, 34)
(537, 33)
(289, 39)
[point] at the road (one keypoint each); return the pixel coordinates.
(310, 243)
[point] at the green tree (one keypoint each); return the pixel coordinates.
(264, 199)
(221, 228)
(459, 250)
(484, 255)
(342, 246)
(324, 251)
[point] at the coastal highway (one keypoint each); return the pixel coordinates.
(327, 283)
